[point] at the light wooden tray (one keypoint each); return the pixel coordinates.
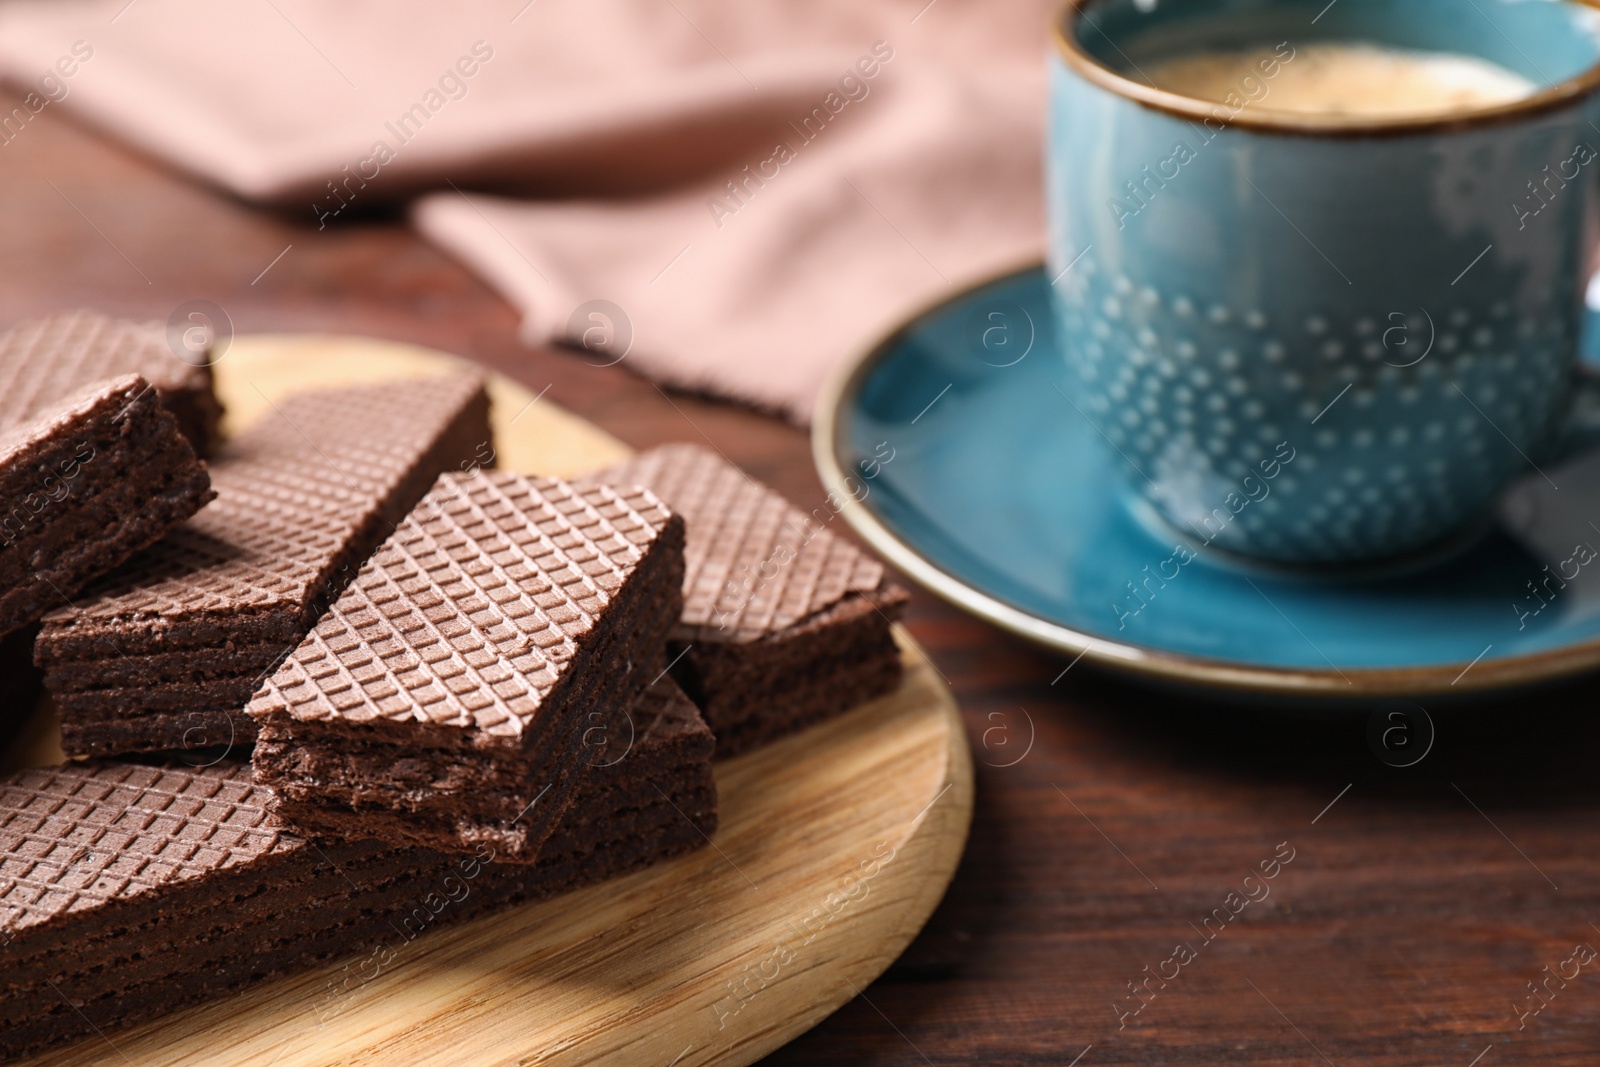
(835, 846)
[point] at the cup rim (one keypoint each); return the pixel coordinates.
(1267, 120)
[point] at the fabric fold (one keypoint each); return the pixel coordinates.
(733, 199)
(757, 290)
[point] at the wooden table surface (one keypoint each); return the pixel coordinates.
(1112, 820)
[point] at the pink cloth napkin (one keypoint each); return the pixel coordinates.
(731, 197)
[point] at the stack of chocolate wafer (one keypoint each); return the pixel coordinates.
(337, 683)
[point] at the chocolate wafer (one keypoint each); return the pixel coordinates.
(164, 653)
(784, 624)
(128, 890)
(90, 482)
(21, 683)
(452, 695)
(47, 360)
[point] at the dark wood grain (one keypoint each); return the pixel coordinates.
(1111, 819)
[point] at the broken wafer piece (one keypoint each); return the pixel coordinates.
(128, 890)
(164, 653)
(47, 360)
(456, 693)
(93, 480)
(784, 624)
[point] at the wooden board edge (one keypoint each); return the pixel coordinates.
(927, 854)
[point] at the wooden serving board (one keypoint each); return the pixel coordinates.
(835, 846)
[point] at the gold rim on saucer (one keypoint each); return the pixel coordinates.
(827, 447)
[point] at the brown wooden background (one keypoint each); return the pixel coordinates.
(1405, 930)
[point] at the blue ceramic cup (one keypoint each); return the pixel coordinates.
(1312, 338)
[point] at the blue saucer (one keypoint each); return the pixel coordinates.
(959, 458)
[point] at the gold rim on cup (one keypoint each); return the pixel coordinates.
(1266, 120)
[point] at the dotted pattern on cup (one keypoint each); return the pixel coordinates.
(1389, 455)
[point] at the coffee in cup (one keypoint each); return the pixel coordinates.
(1346, 78)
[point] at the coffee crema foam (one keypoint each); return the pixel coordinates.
(1346, 79)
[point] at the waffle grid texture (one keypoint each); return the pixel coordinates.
(82, 837)
(44, 361)
(466, 618)
(293, 493)
(78, 837)
(756, 565)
